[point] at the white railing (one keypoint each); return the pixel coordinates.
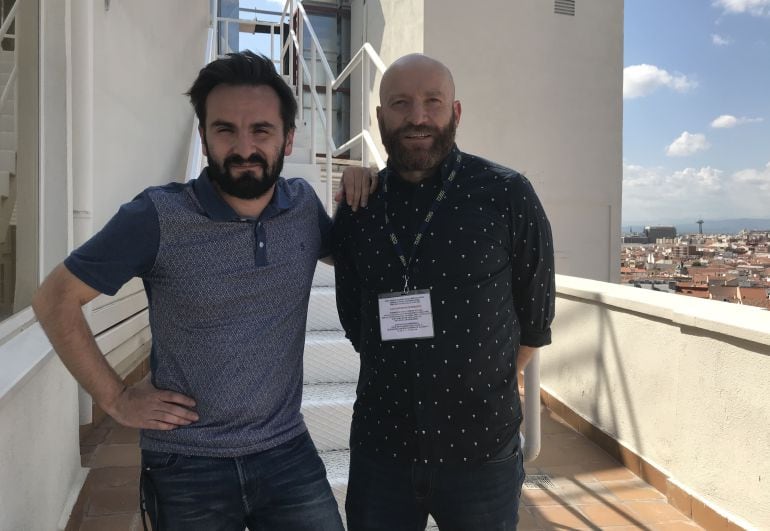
(293, 49)
(295, 17)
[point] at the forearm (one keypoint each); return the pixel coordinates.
(525, 355)
(61, 316)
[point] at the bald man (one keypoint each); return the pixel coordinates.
(445, 287)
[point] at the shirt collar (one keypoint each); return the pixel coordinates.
(218, 210)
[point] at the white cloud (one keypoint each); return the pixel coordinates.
(718, 40)
(654, 193)
(753, 7)
(759, 178)
(726, 121)
(687, 144)
(641, 80)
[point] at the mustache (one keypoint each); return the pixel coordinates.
(416, 130)
(254, 158)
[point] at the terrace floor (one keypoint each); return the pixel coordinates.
(574, 485)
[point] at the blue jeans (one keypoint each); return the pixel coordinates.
(386, 496)
(284, 488)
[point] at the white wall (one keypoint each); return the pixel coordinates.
(123, 125)
(542, 93)
(40, 474)
(146, 55)
(680, 381)
(393, 28)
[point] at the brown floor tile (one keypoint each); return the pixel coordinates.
(94, 437)
(527, 522)
(633, 490)
(116, 455)
(122, 435)
(684, 525)
(113, 501)
(608, 514)
(652, 512)
(114, 476)
(561, 518)
(120, 522)
(616, 473)
(579, 473)
(86, 452)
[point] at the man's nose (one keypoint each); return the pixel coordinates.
(244, 145)
(417, 114)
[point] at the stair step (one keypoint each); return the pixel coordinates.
(322, 312)
(327, 410)
(329, 358)
(324, 276)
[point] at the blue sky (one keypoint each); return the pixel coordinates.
(696, 134)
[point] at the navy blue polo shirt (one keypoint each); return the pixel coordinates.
(228, 300)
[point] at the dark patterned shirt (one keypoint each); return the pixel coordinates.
(228, 301)
(487, 258)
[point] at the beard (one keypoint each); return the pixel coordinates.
(247, 185)
(406, 158)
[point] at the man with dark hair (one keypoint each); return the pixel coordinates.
(445, 287)
(227, 262)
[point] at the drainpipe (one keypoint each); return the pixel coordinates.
(80, 133)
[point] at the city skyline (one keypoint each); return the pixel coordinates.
(696, 139)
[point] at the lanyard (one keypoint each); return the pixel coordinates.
(423, 226)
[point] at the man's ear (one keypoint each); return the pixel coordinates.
(379, 115)
(289, 142)
(458, 108)
(202, 134)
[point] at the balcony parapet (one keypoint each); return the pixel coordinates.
(679, 381)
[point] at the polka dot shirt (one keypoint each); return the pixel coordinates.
(487, 259)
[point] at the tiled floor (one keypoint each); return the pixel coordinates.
(590, 490)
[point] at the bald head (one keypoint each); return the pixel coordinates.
(418, 115)
(416, 66)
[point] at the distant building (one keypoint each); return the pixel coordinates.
(635, 238)
(660, 232)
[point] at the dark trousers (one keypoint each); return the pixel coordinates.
(284, 488)
(386, 496)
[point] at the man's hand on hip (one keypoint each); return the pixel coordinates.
(142, 405)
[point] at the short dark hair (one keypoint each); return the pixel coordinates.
(242, 68)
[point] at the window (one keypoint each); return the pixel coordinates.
(19, 147)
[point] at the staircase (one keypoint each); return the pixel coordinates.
(331, 373)
(331, 370)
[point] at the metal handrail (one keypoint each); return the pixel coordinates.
(8, 20)
(8, 85)
(366, 55)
